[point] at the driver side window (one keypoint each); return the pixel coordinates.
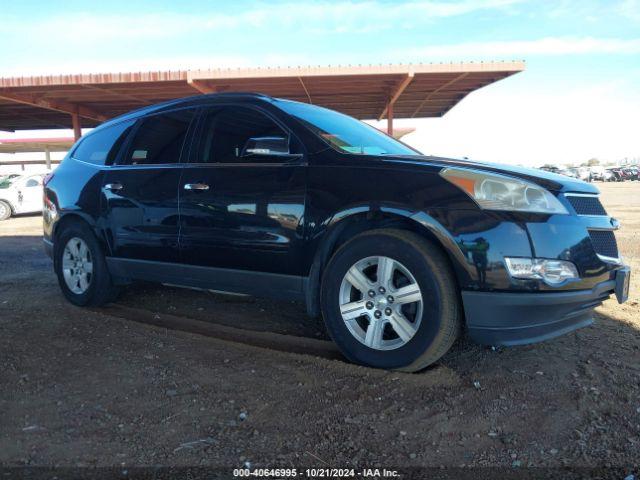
(240, 135)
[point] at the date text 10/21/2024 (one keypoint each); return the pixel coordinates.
(316, 473)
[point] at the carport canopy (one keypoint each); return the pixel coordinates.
(364, 92)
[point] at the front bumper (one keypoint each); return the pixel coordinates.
(497, 318)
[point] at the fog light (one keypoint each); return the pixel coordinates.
(552, 272)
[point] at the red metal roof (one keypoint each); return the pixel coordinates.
(420, 90)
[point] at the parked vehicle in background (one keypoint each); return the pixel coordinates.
(598, 173)
(584, 174)
(550, 168)
(399, 251)
(571, 172)
(632, 173)
(20, 194)
(615, 175)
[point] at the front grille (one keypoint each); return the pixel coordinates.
(604, 243)
(589, 205)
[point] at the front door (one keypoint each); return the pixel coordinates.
(140, 193)
(243, 196)
(30, 194)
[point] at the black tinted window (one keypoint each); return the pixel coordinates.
(240, 135)
(159, 139)
(102, 146)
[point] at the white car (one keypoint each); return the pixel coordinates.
(20, 194)
(584, 173)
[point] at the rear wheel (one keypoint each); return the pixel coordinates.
(389, 300)
(5, 210)
(81, 267)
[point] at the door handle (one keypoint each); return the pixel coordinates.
(196, 186)
(113, 186)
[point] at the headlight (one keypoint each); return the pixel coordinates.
(553, 272)
(498, 192)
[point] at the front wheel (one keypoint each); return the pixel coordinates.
(5, 210)
(81, 268)
(389, 300)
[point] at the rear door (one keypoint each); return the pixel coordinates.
(140, 192)
(243, 194)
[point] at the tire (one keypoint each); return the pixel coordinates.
(436, 322)
(5, 210)
(100, 289)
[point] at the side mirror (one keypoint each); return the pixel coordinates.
(266, 146)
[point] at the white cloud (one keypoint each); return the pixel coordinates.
(319, 17)
(523, 48)
(630, 9)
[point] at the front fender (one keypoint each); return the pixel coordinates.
(475, 241)
(350, 221)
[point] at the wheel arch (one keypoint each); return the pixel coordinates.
(77, 217)
(346, 224)
(8, 202)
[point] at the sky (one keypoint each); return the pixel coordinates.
(578, 98)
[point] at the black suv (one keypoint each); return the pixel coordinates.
(398, 251)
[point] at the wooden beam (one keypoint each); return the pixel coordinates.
(201, 86)
(56, 105)
(395, 94)
(47, 156)
(306, 91)
(77, 130)
(440, 88)
(390, 119)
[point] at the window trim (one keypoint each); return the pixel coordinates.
(294, 159)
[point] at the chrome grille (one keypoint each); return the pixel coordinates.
(586, 204)
(604, 243)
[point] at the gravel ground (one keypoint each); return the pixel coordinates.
(89, 388)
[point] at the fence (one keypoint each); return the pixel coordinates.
(22, 163)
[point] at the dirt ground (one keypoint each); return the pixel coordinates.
(96, 388)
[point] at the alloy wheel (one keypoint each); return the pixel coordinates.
(381, 303)
(77, 265)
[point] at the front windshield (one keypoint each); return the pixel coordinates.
(345, 133)
(6, 182)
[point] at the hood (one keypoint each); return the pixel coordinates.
(551, 181)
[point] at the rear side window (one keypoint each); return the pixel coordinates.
(33, 182)
(159, 139)
(102, 146)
